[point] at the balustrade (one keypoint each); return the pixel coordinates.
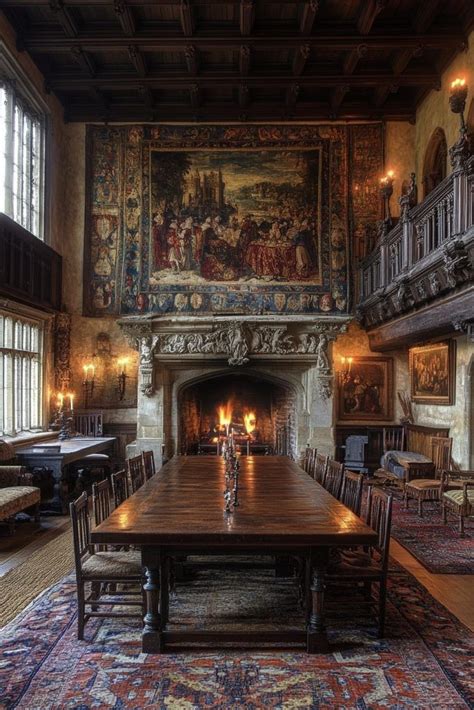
(445, 215)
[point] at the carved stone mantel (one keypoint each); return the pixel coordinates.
(236, 339)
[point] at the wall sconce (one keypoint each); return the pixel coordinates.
(88, 383)
(457, 100)
(122, 377)
(386, 190)
(344, 373)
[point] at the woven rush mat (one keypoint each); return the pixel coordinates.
(21, 585)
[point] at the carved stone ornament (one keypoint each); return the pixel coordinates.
(325, 386)
(404, 295)
(62, 351)
(147, 344)
(459, 152)
(435, 283)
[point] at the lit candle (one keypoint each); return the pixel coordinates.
(349, 360)
(60, 401)
(71, 401)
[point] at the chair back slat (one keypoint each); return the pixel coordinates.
(79, 510)
(120, 489)
(333, 478)
(148, 464)
(351, 493)
(101, 500)
(441, 447)
(136, 472)
(89, 423)
(320, 465)
(394, 439)
(379, 517)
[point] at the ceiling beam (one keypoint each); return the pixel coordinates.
(337, 97)
(186, 18)
(101, 41)
(291, 96)
(136, 111)
(425, 15)
(402, 59)
(244, 95)
(195, 96)
(310, 10)
(137, 59)
(244, 59)
(353, 57)
(382, 93)
(300, 58)
(247, 17)
(84, 60)
(70, 82)
(369, 11)
(125, 17)
(64, 17)
(192, 59)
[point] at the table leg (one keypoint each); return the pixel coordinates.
(151, 636)
(317, 641)
(164, 589)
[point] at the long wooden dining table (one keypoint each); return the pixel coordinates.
(282, 511)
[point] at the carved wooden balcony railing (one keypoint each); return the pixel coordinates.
(30, 271)
(429, 253)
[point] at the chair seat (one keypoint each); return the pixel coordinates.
(457, 496)
(423, 483)
(113, 564)
(17, 498)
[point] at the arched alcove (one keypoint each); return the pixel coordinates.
(271, 401)
(435, 162)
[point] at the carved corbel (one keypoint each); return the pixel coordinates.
(457, 266)
(146, 351)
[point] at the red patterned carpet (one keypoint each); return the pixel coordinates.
(423, 662)
(438, 547)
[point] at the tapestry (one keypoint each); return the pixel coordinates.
(241, 219)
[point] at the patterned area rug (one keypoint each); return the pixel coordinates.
(438, 547)
(422, 663)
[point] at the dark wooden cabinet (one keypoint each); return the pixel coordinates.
(373, 448)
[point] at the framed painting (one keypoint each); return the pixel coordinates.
(365, 390)
(432, 372)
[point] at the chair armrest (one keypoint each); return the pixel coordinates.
(11, 476)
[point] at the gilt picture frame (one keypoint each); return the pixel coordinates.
(365, 390)
(432, 373)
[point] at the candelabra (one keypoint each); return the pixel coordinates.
(344, 374)
(232, 468)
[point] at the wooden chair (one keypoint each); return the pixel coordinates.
(309, 460)
(458, 496)
(429, 489)
(372, 566)
(101, 500)
(393, 439)
(351, 492)
(333, 478)
(148, 464)
(90, 424)
(100, 570)
(136, 472)
(320, 466)
(120, 490)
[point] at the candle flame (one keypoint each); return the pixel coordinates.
(458, 83)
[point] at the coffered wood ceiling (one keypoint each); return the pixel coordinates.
(147, 60)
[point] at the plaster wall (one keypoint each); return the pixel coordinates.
(434, 111)
(399, 156)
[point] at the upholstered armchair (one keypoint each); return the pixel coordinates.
(17, 493)
(458, 496)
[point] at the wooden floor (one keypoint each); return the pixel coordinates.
(455, 591)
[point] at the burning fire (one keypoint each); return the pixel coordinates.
(250, 422)
(225, 415)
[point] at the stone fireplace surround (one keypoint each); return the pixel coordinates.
(294, 352)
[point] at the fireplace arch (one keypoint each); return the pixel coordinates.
(272, 400)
